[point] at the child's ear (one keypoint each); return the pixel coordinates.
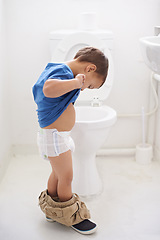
(91, 68)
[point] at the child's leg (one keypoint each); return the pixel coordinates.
(62, 167)
(52, 184)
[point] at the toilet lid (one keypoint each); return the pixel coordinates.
(67, 49)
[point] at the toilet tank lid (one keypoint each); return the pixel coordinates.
(60, 34)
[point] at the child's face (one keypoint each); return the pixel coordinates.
(92, 81)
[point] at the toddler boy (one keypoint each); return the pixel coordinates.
(55, 93)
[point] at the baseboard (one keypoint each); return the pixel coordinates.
(116, 152)
(24, 149)
(33, 149)
(5, 162)
(157, 154)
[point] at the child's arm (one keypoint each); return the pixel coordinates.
(55, 88)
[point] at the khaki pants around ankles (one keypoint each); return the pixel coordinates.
(68, 213)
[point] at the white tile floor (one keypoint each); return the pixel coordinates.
(128, 209)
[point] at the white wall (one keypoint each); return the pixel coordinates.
(28, 25)
(157, 132)
(4, 95)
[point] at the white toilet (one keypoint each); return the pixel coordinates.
(93, 119)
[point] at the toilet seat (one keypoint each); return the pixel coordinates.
(73, 39)
(78, 40)
(88, 117)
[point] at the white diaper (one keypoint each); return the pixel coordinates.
(51, 143)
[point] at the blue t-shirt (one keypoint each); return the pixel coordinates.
(49, 109)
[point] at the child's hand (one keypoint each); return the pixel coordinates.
(80, 80)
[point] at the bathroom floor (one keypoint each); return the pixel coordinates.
(128, 208)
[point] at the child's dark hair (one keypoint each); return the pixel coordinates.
(95, 56)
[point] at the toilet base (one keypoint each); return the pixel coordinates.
(86, 179)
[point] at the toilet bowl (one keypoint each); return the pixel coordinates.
(91, 129)
(93, 119)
